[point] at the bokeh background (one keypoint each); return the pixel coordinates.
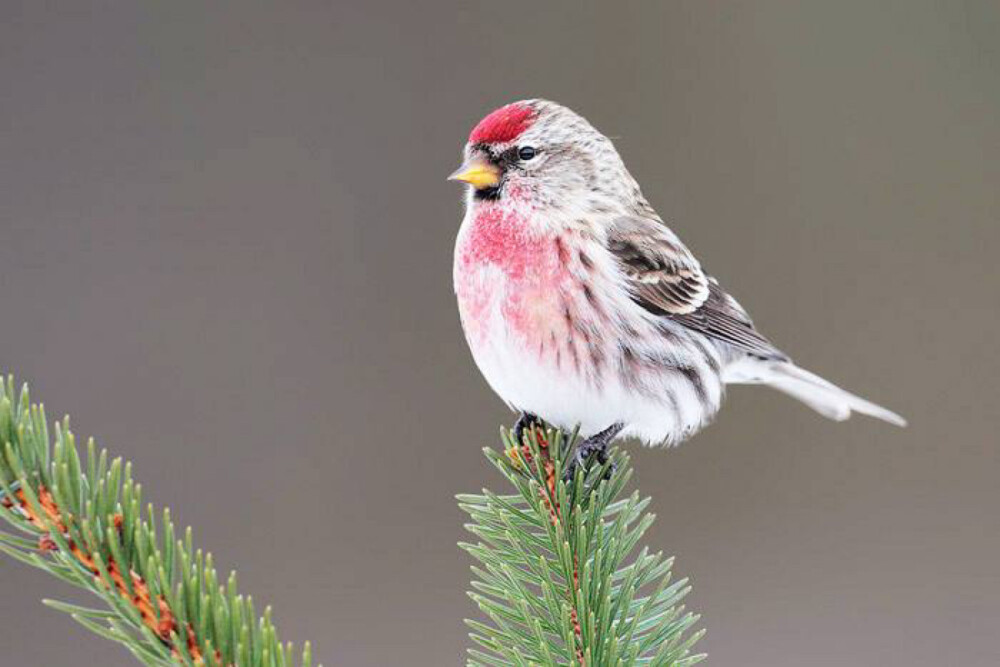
(225, 249)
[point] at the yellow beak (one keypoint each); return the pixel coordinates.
(478, 173)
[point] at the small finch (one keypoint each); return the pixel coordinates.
(584, 309)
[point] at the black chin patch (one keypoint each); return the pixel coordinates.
(487, 194)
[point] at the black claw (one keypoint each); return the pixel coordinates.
(525, 421)
(612, 469)
(596, 444)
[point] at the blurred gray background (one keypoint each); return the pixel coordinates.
(226, 251)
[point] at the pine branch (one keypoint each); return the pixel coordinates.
(560, 579)
(161, 598)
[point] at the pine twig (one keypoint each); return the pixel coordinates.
(162, 599)
(559, 579)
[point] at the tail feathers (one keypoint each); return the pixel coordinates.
(822, 396)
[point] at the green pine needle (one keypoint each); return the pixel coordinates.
(560, 579)
(162, 599)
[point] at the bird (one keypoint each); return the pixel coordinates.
(582, 308)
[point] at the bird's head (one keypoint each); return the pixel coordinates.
(542, 155)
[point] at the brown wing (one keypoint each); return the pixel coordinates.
(666, 279)
(663, 274)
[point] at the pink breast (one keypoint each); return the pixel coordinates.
(505, 264)
(501, 239)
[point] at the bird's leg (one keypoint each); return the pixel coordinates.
(524, 422)
(595, 444)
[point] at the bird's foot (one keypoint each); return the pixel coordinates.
(524, 422)
(596, 445)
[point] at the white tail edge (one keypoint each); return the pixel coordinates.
(822, 396)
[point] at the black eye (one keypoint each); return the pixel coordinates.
(526, 153)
